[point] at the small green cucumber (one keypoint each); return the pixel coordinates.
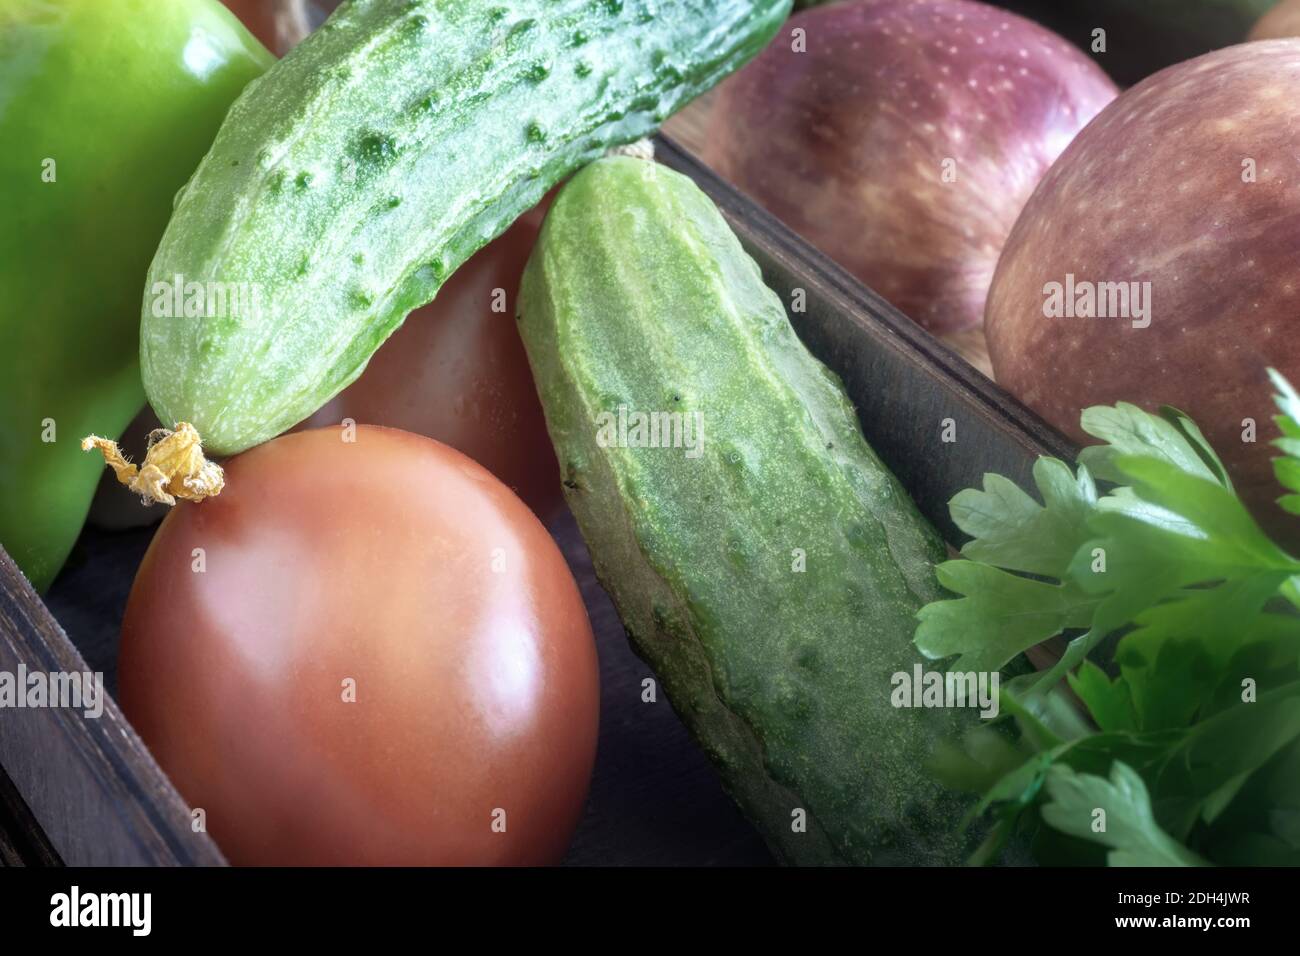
(770, 568)
(349, 182)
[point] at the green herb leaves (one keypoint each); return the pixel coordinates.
(1078, 807)
(1287, 468)
(1002, 613)
(1198, 705)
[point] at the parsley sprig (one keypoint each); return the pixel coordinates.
(1183, 646)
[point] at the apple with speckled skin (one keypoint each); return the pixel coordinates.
(902, 138)
(1187, 187)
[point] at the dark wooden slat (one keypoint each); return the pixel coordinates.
(22, 840)
(95, 790)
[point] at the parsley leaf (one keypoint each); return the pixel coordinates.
(1195, 717)
(1128, 430)
(1287, 468)
(1115, 813)
(1001, 615)
(1011, 530)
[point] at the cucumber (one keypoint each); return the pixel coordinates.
(638, 298)
(349, 182)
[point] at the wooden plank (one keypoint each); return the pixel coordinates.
(22, 840)
(91, 785)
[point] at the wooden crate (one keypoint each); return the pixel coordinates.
(87, 791)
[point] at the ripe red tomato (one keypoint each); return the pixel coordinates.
(365, 652)
(456, 371)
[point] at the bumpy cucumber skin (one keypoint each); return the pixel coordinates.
(639, 294)
(375, 158)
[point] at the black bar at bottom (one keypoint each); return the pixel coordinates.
(937, 908)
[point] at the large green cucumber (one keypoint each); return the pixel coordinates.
(355, 176)
(639, 296)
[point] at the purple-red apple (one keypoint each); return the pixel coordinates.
(902, 138)
(1179, 208)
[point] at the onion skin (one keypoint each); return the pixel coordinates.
(847, 142)
(1153, 191)
(393, 562)
(1282, 21)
